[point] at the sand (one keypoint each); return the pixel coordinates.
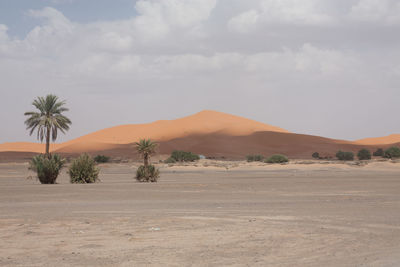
(386, 140)
(209, 133)
(206, 214)
(204, 122)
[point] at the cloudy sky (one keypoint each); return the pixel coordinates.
(322, 67)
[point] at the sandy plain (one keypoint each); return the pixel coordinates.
(205, 214)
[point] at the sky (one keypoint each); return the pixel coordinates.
(322, 67)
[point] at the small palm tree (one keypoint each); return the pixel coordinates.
(146, 148)
(48, 120)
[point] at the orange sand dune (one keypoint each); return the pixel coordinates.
(26, 147)
(204, 122)
(390, 139)
(237, 147)
(265, 143)
(209, 133)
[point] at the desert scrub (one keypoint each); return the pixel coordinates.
(345, 156)
(147, 173)
(316, 155)
(277, 159)
(170, 160)
(183, 156)
(47, 167)
(393, 152)
(251, 158)
(379, 153)
(101, 159)
(364, 154)
(83, 170)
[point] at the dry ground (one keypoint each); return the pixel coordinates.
(236, 214)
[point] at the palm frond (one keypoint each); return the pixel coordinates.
(48, 119)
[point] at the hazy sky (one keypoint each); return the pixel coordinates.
(322, 67)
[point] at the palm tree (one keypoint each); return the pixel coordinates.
(146, 148)
(48, 120)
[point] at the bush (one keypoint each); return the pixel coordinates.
(101, 159)
(46, 167)
(251, 158)
(277, 159)
(184, 156)
(315, 155)
(364, 154)
(83, 170)
(170, 160)
(379, 153)
(345, 155)
(149, 174)
(393, 152)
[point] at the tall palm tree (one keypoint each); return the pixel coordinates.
(146, 148)
(48, 120)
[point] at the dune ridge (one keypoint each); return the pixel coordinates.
(385, 140)
(209, 133)
(204, 122)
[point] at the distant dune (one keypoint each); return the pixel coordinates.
(386, 140)
(201, 123)
(209, 133)
(25, 147)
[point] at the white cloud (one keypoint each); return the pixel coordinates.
(183, 52)
(244, 22)
(305, 12)
(294, 11)
(386, 11)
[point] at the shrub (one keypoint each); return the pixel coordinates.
(184, 156)
(315, 155)
(170, 160)
(147, 174)
(345, 155)
(364, 154)
(393, 152)
(47, 168)
(101, 159)
(251, 158)
(277, 159)
(83, 170)
(379, 153)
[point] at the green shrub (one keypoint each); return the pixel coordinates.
(277, 159)
(47, 168)
(251, 158)
(170, 160)
(364, 154)
(393, 152)
(184, 156)
(101, 159)
(315, 155)
(83, 170)
(379, 153)
(345, 155)
(147, 174)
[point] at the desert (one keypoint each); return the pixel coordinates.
(199, 133)
(215, 210)
(205, 214)
(210, 133)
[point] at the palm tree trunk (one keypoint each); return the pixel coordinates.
(146, 160)
(48, 141)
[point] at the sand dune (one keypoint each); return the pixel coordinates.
(201, 123)
(26, 147)
(390, 139)
(205, 122)
(236, 147)
(209, 133)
